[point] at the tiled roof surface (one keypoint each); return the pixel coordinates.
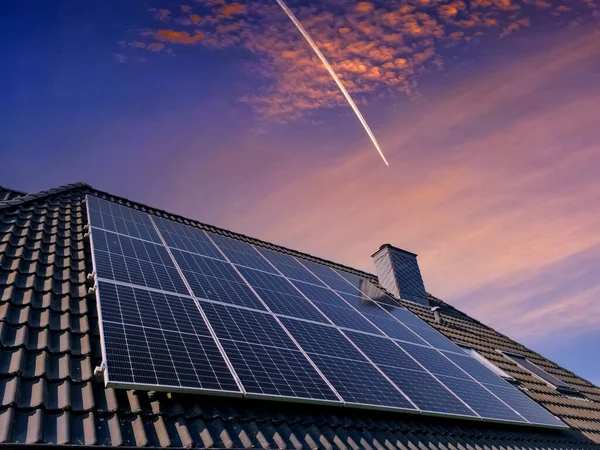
(7, 194)
(50, 346)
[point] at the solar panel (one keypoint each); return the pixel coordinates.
(329, 277)
(212, 279)
(531, 411)
(184, 237)
(242, 253)
(481, 400)
(426, 392)
(290, 267)
(274, 371)
(134, 261)
(120, 219)
(360, 383)
(183, 309)
(159, 340)
(280, 296)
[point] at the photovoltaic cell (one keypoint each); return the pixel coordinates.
(163, 350)
(215, 280)
(531, 411)
(320, 295)
(359, 382)
(347, 318)
(480, 400)
(322, 339)
(242, 253)
(134, 261)
(184, 237)
(280, 295)
(120, 219)
(426, 392)
(246, 326)
(330, 277)
(289, 266)
(276, 371)
(289, 305)
(434, 361)
(477, 370)
(381, 350)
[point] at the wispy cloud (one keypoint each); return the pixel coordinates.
(376, 47)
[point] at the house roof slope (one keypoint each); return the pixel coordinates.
(49, 337)
(7, 194)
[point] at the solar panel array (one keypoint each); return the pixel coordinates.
(184, 309)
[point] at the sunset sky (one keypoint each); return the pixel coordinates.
(487, 110)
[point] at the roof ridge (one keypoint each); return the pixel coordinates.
(13, 190)
(42, 194)
(265, 244)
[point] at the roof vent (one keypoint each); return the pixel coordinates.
(398, 272)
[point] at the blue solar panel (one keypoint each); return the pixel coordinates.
(184, 237)
(277, 372)
(242, 253)
(134, 261)
(480, 400)
(244, 325)
(426, 392)
(212, 279)
(436, 339)
(381, 350)
(531, 411)
(280, 296)
(322, 339)
(347, 318)
(157, 339)
(320, 295)
(477, 370)
(434, 361)
(184, 309)
(359, 382)
(330, 277)
(120, 219)
(289, 266)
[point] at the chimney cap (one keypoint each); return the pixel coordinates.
(436, 308)
(390, 246)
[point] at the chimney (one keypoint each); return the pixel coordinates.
(398, 272)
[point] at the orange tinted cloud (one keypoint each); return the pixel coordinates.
(179, 37)
(364, 7)
(376, 48)
(232, 9)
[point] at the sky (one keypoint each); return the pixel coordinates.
(487, 110)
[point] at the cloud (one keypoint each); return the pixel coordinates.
(377, 48)
(179, 37)
(232, 9)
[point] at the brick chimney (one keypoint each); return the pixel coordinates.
(398, 272)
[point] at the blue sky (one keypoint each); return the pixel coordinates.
(219, 111)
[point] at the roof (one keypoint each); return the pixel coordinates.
(50, 345)
(7, 194)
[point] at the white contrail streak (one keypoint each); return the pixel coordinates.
(333, 75)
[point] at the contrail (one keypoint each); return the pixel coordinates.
(333, 75)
